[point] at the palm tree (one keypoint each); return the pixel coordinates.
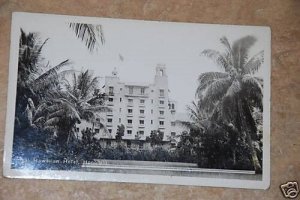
(76, 102)
(202, 134)
(199, 118)
(34, 75)
(231, 95)
(89, 34)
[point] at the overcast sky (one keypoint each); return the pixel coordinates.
(143, 45)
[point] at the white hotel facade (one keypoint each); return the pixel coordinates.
(141, 108)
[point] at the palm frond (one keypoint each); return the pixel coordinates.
(62, 76)
(52, 121)
(30, 48)
(252, 82)
(218, 58)
(253, 91)
(240, 50)
(226, 44)
(88, 33)
(215, 91)
(71, 111)
(254, 63)
(40, 110)
(234, 88)
(207, 78)
(51, 128)
(39, 120)
(48, 78)
(194, 113)
(57, 113)
(51, 72)
(186, 124)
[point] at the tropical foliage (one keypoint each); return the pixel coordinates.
(224, 131)
(156, 137)
(45, 121)
(223, 118)
(120, 132)
(90, 34)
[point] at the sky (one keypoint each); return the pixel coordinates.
(142, 45)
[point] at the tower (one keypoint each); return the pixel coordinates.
(161, 78)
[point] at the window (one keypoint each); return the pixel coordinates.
(142, 101)
(129, 110)
(141, 145)
(161, 93)
(109, 130)
(173, 123)
(121, 89)
(161, 112)
(129, 144)
(161, 102)
(173, 134)
(142, 90)
(142, 111)
(151, 111)
(96, 130)
(130, 90)
(109, 120)
(129, 132)
(152, 101)
(120, 99)
(141, 121)
(120, 109)
(108, 143)
(172, 112)
(173, 106)
(111, 90)
(119, 120)
(151, 121)
(129, 121)
(161, 72)
(161, 123)
(110, 99)
(130, 100)
(141, 132)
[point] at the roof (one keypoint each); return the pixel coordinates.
(140, 84)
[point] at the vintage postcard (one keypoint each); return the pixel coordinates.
(138, 101)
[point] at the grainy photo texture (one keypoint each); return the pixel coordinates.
(175, 103)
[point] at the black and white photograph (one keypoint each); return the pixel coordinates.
(122, 100)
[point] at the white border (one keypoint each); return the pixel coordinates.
(117, 177)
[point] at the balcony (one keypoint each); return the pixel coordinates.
(136, 94)
(109, 113)
(141, 126)
(130, 105)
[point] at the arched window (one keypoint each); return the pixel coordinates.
(161, 72)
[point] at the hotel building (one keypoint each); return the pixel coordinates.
(141, 108)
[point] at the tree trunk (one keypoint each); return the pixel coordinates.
(68, 138)
(234, 157)
(243, 110)
(255, 161)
